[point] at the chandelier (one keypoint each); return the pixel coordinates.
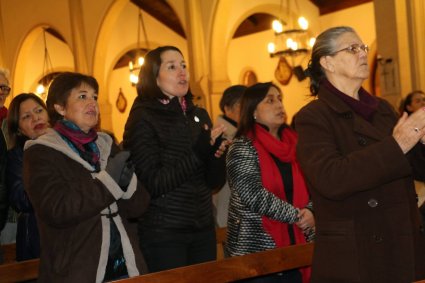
(47, 68)
(293, 40)
(134, 66)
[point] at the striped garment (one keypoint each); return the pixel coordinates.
(249, 201)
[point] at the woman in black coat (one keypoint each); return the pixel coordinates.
(179, 160)
(27, 119)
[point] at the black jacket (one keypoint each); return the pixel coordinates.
(4, 202)
(27, 237)
(161, 138)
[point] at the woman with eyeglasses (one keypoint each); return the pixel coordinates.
(354, 151)
(7, 227)
(4, 93)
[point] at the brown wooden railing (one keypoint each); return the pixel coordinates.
(233, 268)
(222, 270)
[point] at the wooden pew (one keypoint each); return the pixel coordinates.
(233, 268)
(19, 271)
(222, 270)
(9, 252)
(220, 234)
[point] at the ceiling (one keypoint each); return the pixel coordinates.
(329, 6)
(164, 13)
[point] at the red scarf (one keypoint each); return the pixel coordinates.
(3, 114)
(284, 150)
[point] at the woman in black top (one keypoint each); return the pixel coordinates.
(179, 160)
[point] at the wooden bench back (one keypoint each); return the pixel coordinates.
(233, 268)
(224, 270)
(9, 253)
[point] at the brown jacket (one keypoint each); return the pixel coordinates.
(367, 220)
(71, 202)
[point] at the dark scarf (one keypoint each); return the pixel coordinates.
(366, 105)
(284, 150)
(3, 114)
(231, 121)
(82, 143)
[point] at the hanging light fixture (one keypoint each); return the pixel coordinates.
(47, 68)
(137, 64)
(292, 40)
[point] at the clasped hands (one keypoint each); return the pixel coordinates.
(211, 142)
(409, 130)
(306, 220)
(121, 169)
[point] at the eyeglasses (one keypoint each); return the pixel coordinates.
(354, 49)
(5, 88)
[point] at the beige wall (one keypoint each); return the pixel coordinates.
(157, 34)
(109, 30)
(250, 53)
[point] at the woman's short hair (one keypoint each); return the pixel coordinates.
(231, 96)
(325, 45)
(251, 97)
(5, 73)
(408, 101)
(147, 87)
(13, 116)
(61, 88)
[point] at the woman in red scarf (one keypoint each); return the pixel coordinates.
(269, 203)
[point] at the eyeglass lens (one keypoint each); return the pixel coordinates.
(357, 48)
(4, 88)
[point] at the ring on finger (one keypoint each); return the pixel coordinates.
(416, 129)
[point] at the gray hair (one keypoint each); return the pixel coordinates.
(5, 73)
(325, 45)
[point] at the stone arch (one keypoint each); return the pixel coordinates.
(111, 44)
(30, 58)
(222, 32)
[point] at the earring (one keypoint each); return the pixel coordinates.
(255, 117)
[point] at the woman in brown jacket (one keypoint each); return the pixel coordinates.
(353, 151)
(83, 191)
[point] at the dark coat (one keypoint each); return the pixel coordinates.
(367, 220)
(4, 202)
(161, 138)
(74, 205)
(27, 237)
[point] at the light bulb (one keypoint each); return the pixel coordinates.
(130, 66)
(303, 23)
(141, 60)
(134, 78)
(40, 89)
(311, 42)
(277, 26)
(289, 43)
(271, 47)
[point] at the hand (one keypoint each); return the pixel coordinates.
(217, 132)
(222, 148)
(410, 129)
(202, 146)
(116, 165)
(126, 175)
(306, 219)
(219, 144)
